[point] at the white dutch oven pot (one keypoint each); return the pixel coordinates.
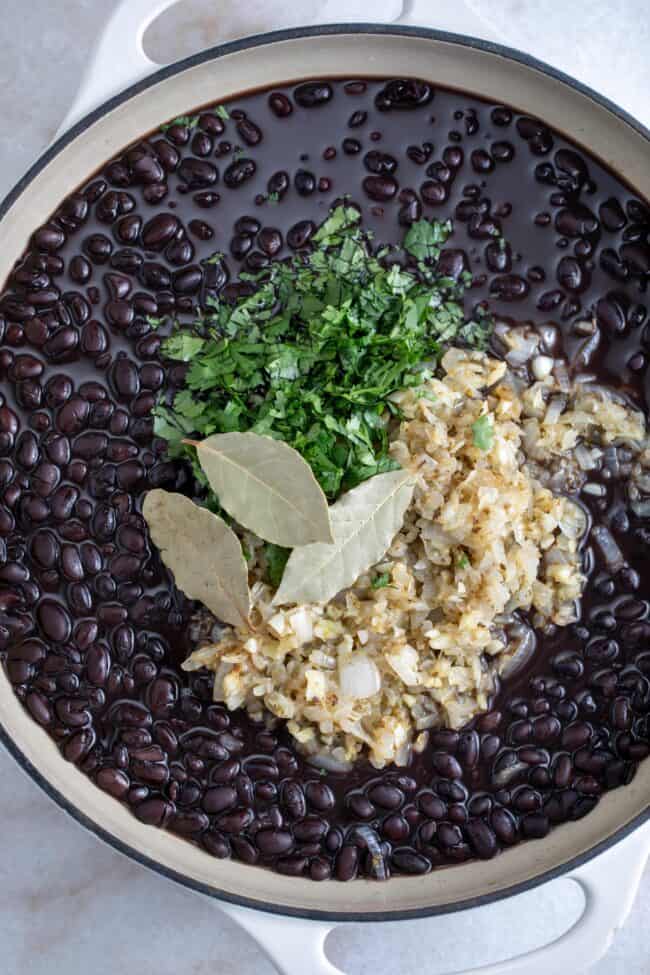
(604, 853)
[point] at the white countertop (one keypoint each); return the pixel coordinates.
(67, 902)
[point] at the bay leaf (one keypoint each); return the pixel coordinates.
(267, 487)
(202, 551)
(364, 523)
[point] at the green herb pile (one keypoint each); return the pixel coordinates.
(313, 355)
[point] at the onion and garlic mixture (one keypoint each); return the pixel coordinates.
(419, 640)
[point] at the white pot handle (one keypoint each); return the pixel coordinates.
(609, 882)
(453, 16)
(118, 59)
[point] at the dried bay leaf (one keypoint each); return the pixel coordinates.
(364, 523)
(201, 550)
(267, 487)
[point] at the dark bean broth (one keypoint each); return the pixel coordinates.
(91, 632)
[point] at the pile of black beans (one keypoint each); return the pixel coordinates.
(92, 631)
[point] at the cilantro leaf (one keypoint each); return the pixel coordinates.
(276, 558)
(191, 121)
(340, 220)
(312, 352)
(154, 321)
(183, 346)
(424, 237)
(381, 580)
(222, 112)
(483, 433)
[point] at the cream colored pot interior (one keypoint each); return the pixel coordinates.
(496, 78)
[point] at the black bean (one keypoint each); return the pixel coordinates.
(380, 188)
(48, 238)
(304, 182)
(509, 287)
(273, 842)
(612, 215)
(249, 132)
(347, 863)
(379, 163)
(535, 825)
(235, 821)
(270, 240)
(54, 621)
(206, 199)
(113, 781)
(188, 280)
(280, 104)
(198, 173)
(386, 796)
(125, 379)
(300, 234)
(39, 708)
(396, 829)
(504, 825)
(313, 94)
(239, 172)
(154, 812)
(403, 95)
(434, 192)
(406, 860)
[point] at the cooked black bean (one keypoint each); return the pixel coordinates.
(313, 94)
(239, 172)
(79, 450)
(380, 188)
(197, 173)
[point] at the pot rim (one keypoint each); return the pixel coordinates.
(168, 71)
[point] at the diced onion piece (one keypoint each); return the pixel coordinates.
(405, 664)
(370, 840)
(329, 763)
(278, 624)
(302, 626)
(359, 677)
(587, 459)
(522, 348)
(555, 410)
(542, 366)
(524, 643)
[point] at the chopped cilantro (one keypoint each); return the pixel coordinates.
(463, 561)
(424, 237)
(483, 433)
(273, 198)
(215, 258)
(222, 112)
(246, 552)
(183, 346)
(313, 354)
(381, 580)
(191, 121)
(276, 558)
(154, 322)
